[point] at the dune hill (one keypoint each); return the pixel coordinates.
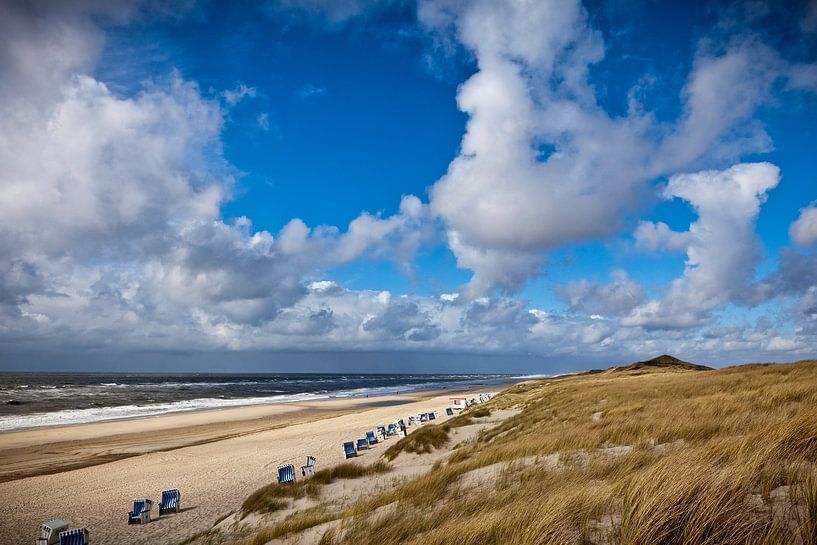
(728, 456)
(663, 362)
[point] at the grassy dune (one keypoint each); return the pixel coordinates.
(659, 455)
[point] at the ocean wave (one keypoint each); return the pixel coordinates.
(104, 414)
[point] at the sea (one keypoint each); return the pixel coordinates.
(35, 400)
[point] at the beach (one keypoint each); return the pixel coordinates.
(88, 474)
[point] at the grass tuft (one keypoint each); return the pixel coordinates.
(274, 497)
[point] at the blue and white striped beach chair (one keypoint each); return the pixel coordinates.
(349, 449)
(286, 473)
(371, 438)
(171, 499)
(362, 444)
(77, 536)
(141, 511)
(449, 411)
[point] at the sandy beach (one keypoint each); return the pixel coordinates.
(88, 474)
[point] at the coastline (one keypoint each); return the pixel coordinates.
(53, 449)
(216, 457)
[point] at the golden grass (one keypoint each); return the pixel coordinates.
(739, 432)
(274, 496)
(432, 436)
(713, 458)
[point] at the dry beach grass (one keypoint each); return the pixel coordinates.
(632, 456)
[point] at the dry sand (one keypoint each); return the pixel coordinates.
(230, 454)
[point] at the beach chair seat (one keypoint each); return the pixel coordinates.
(349, 450)
(362, 443)
(76, 536)
(50, 531)
(309, 468)
(371, 438)
(449, 411)
(171, 499)
(141, 511)
(286, 473)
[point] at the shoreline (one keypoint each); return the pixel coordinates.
(241, 403)
(48, 450)
(217, 458)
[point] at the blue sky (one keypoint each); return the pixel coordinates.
(548, 185)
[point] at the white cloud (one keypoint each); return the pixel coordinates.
(542, 164)
(234, 96)
(657, 236)
(803, 231)
(723, 248)
(618, 297)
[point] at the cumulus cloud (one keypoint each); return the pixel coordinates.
(110, 206)
(542, 164)
(617, 298)
(111, 234)
(657, 236)
(803, 231)
(723, 248)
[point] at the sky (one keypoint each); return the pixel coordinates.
(397, 186)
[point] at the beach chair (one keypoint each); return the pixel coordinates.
(381, 430)
(370, 437)
(77, 536)
(391, 430)
(423, 417)
(449, 411)
(401, 423)
(286, 473)
(170, 501)
(50, 531)
(141, 511)
(349, 450)
(362, 444)
(309, 468)
(411, 421)
(432, 415)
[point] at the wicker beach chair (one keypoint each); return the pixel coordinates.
(50, 531)
(362, 443)
(141, 511)
(170, 501)
(286, 473)
(349, 450)
(77, 536)
(309, 468)
(371, 438)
